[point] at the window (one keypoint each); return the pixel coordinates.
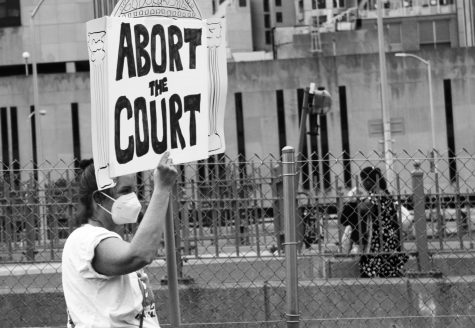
(242, 3)
(267, 21)
(10, 13)
(394, 33)
(278, 3)
(314, 4)
(268, 37)
(322, 4)
(319, 20)
(278, 17)
(266, 5)
(339, 4)
(433, 34)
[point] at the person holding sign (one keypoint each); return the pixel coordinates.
(103, 281)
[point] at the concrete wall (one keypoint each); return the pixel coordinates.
(434, 303)
(258, 82)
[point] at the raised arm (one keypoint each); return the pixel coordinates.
(114, 256)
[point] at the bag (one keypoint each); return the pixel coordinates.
(407, 219)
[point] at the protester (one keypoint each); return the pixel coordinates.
(355, 234)
(103, 281)
(383, 257)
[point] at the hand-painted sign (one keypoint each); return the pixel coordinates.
(157, 84)
(148, 91)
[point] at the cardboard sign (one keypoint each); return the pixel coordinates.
(157, 84)
(148, 92)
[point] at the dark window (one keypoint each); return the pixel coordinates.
(394, 33)
(339, 4)
(266, 5)
(326, 170)
(314, 4)
(345, 136)
(314, 152)
(278, 3)
(281, 118)
(322, 4)
(278, 17)
(426, 32)
(5, 144)
(241, 143)
(442, 31)
(449, 119)
(434, 34)
(15, 146)
(268, 37)
(82, 66)
(319, 20)
(10, 13)
(76, 134)
(267, 21)
(242, 3)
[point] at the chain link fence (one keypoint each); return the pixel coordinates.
(232, 250)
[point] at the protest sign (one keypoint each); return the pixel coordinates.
(148, 92)
(157, 84)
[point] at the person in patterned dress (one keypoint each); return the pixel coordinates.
(383, 257)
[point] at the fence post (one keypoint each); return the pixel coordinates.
(172, 271)
(288, 177)
(30, 221)
(423, 261)
(277, 206)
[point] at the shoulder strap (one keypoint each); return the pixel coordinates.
(142, 288)
(70, 321)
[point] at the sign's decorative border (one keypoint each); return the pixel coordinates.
(165, 8)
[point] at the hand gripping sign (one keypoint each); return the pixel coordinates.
(157, 83)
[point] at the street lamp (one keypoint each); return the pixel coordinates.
(35, 75)
(43, 223)
(26, 56)
(431, 101)
(322, 102)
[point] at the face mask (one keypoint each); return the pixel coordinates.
(125, 209)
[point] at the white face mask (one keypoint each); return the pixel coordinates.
(125, 209)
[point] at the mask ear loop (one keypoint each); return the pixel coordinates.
(94, 193)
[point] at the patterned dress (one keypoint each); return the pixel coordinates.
(385, 239)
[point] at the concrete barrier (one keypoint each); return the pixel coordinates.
(403, 302)
(249, 290)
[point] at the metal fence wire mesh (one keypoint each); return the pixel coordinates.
(231, 243)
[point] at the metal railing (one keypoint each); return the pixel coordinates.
(232, 227)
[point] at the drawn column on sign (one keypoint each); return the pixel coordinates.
(218, 82)
(96, 43)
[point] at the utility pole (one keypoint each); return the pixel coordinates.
(387, 146)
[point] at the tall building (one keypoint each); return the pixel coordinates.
(335, 27)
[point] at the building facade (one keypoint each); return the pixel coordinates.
(264, 97)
